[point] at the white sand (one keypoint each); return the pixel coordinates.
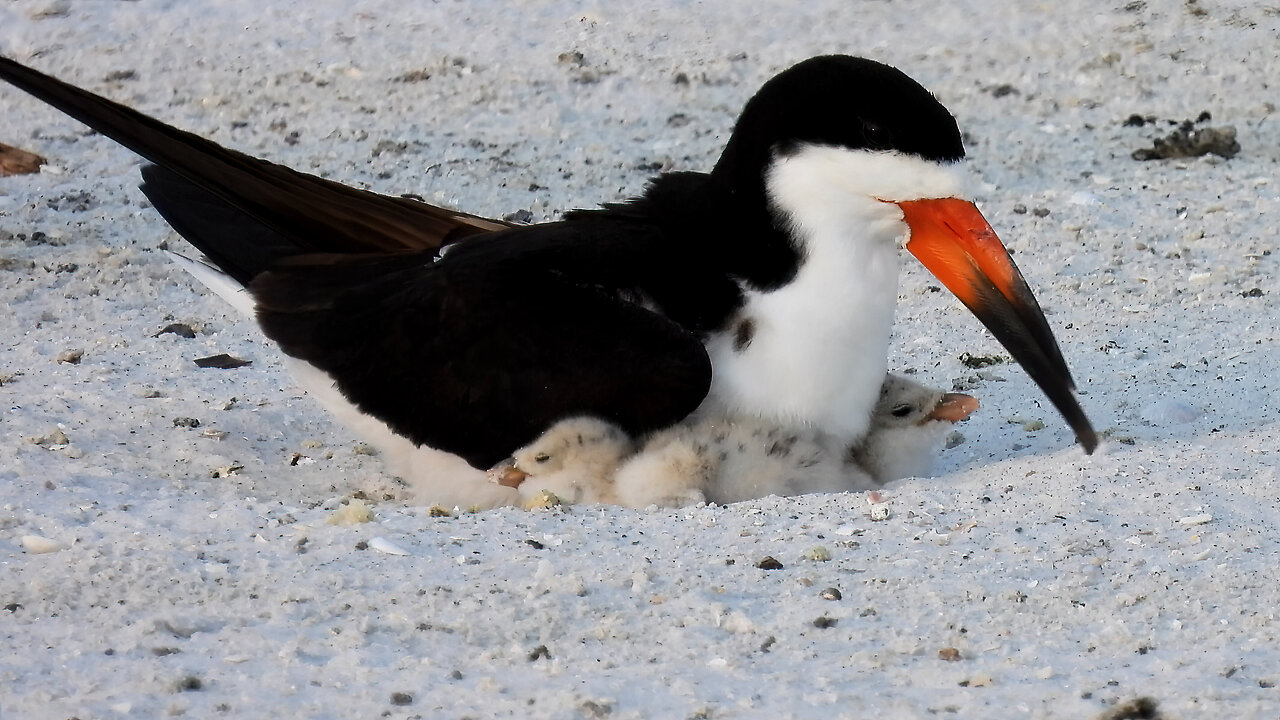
(1066, 583)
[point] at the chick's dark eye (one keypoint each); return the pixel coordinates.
(901, 410)
(876, 136)
(541, 457)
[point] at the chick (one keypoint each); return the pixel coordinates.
(907, 425)
(725, 460)
(728, 459)
(574, 459)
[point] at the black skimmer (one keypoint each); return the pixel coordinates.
(777, 270)
(721, 460)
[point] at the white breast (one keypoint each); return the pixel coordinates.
(819, 349)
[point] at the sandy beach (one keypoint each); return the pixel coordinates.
(167, 544)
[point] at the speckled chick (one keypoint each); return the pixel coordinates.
(907, 426)
(726, 460)
(575, 459)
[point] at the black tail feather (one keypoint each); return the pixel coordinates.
(236, 242)
(203, 186)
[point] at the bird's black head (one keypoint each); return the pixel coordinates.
(841, 101)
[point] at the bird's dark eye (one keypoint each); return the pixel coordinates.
(901, 410)
(876, 136)
(541, 457)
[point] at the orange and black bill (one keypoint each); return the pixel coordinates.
(956, 243)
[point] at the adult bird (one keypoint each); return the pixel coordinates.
(764, 287)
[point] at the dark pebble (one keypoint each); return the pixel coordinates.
(1255, 292)
(179, 329)
(222, 362)
(535, 544)
(540, 652)
(401, 698)
(981, 361)
(825, 622)
(1040, 212)
(186, 422)
(1190, 141)
(190, 683)
(769, 563)
(830, 594)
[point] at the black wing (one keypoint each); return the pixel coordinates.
(480, 351)
(474, 353)
(304, 212)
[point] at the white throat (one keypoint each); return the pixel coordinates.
(817, 349)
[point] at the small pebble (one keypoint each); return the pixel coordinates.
(439, 511)
(186, 422)
(70, 357)
(179, 329)
(949, 654)
(818, 554)
(55, 438)
(401, 698)
(768, 562)
(825, 622)
(222, 361)
(539, 653)
(830, 594)
(14, 161)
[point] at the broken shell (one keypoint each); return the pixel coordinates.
(544, 499)
(382, 544)
(38, 545)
